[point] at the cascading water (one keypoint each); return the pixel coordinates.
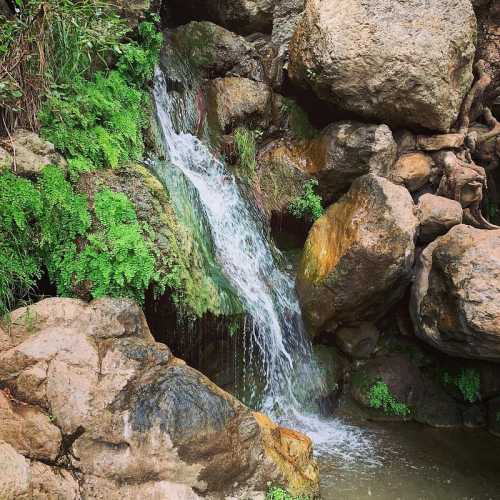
(290, 376)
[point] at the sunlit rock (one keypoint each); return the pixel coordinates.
(358, 256)
(402, 63)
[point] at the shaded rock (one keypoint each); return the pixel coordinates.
(437, 215)
(413, 170)
(216, 51)
(494, 416)
(474, 416)
(381, 59)
(286, 16)
(358, 256)
(15, 479)
(359, 341)
(456, 293)
(437, 408)
(31, 153)
(439, 142)
(28, 430)
(403, 379)
(240, 16)
(234, 101)
(140, 417)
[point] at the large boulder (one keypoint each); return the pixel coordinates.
(395, 61)
(456, 294)
(241, 16)
(358, 256)
(138, 422)
(412, 170)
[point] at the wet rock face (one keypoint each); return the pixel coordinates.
(358, 256)
(456, 294)
(241, 16)
(134, 420)
(399, 62)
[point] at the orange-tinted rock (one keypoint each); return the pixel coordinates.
(413, 170)
(358, 256)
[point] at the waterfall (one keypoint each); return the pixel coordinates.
(290, 378)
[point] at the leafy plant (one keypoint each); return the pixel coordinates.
(308, 205)
(380, 397)
(469, 383)
(277, 493)
(245, 145)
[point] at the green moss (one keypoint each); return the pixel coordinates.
(468, 381)
(298, 120)
(195, 41)
(308, 205)
(380, 397)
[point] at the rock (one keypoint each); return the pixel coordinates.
(240, 16)
(358, 256)
(6, 160)
(285, 19)
(382, 61)
(358, 341)
(347, 150)
(437, 215)
(413, 170)
(216, 51)
(15, 480)
(474, 416)
(439, 142)
(143, 423)
(437, 408)
(28, 430)
(494, 416)
(456, 293)
(234, 101)
(135, 11)
(53, 483)
(403, 379)
(5, 341)
(31, 153)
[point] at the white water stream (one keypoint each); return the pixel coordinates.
(291, 377)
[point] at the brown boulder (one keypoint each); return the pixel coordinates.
(359, 341)
(456, 294)
(413, 170)
(234, 101)
(358, 256)
(28, 430)
(437, 215)
(15, 479)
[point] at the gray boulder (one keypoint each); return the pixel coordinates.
(399, 62)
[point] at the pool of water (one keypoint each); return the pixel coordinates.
(409, 461)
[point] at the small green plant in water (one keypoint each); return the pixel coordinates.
(245, 145)
(380, 397)
(307, 206)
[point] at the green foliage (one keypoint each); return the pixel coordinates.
(298, 120)
(308, 205)
(245, 145)
(468, 381)
(380, 397)
(98, 125)
(20, 206)
(117, 258)
(277, 493)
